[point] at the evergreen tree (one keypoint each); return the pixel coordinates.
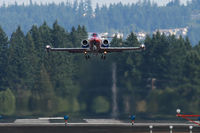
(62, 74)
(88, 6)
(32, 61)
(47, 96)
(18, 69)
(17, 60)
(43, 98)
(131, 40)
(3, 58)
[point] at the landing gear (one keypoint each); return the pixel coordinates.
(87, 57)
(103, 57)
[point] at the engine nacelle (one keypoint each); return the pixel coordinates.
(85, 44)
(105, 43)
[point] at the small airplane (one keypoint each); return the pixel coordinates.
(96, 45)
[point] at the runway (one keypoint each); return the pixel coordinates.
(98, 128)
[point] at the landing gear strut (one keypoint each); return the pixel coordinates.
(87, 57)
(103, 57)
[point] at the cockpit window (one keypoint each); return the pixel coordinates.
(94, 35)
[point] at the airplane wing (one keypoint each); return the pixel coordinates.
(121, 49)
(70, 50)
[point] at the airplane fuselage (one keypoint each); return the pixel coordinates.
(95, 44)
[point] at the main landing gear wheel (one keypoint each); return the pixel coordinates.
(87, 57)
(103, 57)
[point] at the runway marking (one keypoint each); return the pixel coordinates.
(24, 121)
(102, 121)
(51, 118)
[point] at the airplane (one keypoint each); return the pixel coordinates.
(96, 45)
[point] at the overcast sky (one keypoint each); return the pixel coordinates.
(8, 2)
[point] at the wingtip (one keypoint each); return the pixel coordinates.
(142, 46)
(48, 48)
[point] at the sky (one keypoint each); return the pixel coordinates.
(9, 2)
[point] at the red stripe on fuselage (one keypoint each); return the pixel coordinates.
(95, 43)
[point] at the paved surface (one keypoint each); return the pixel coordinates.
(102, 121)
(24, 121)
(96, 128)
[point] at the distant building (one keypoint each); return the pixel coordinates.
(141, 36)
(177, 31)
(93, 15)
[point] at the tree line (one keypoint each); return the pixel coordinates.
(150, 83)
(142, 16)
